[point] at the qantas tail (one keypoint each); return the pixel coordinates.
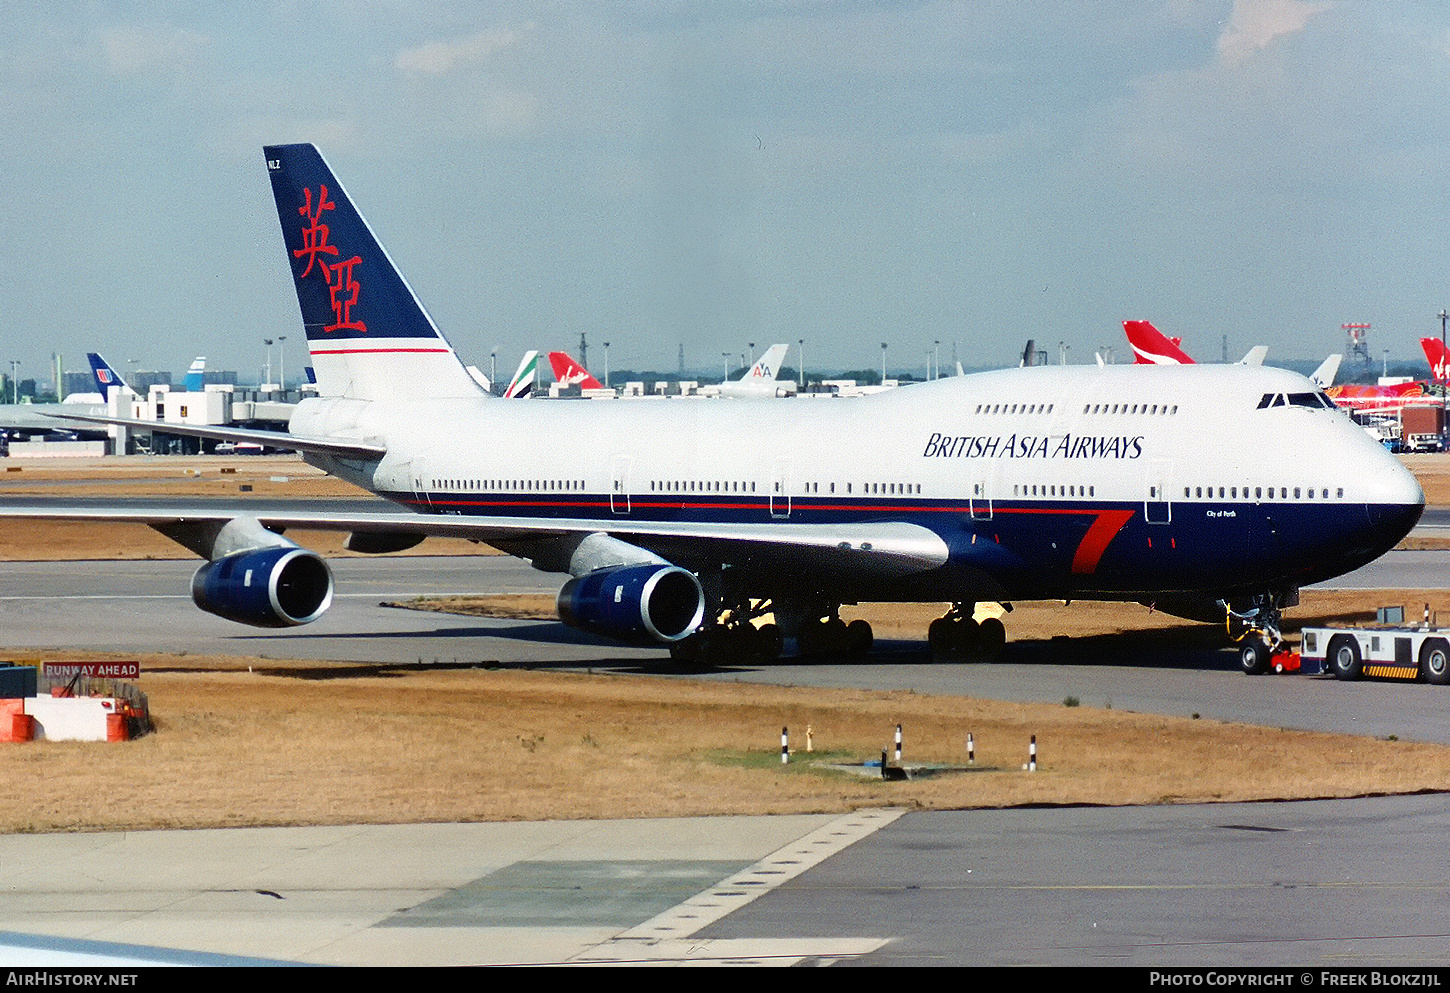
(1151, 346)
(106, 378)
(369, 336)
(571, 373)
(1435, 352)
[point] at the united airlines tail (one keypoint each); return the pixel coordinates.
(106, 378)
(369, 335)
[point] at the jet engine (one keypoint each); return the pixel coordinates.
(635, 602)
(276, 587)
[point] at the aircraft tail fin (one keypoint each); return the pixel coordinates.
(767, 365)
(106, 378)
(195, 380)
(368, 333)
(1151, 346)
(1029, 355)
(524, 380)
(1323, 377)
(1435, 352)
(571, 373)
(1255, 355)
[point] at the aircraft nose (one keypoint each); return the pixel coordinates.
(1395, 503)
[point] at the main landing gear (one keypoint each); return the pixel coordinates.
(737, 639)
(733, 639)
(956, 637)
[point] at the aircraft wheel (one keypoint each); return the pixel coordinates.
(939, 637)
(772, 642)
(1254, 657)
(859, 637)
(991, 638)
(685, 649)
(966, 637)
(1344, 658)
(1435, 661)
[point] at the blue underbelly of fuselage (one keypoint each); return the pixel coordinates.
(1032, 549)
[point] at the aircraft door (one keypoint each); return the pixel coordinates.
(413, 475)
(1158, 502)
(619, 484)
(780, 489)
(981, 501)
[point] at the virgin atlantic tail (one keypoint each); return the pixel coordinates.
(369, 336)
(1435, 352)
(1152, 347)
(571, 373)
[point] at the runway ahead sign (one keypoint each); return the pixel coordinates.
(93, 670)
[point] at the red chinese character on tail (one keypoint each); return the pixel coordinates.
(342, 288)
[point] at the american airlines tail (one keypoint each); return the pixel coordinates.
(768, 366)
(369, 336)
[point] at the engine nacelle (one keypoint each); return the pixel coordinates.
(649, 602)
(266, 588)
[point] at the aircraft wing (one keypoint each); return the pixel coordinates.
(885, 549)
(341, 447)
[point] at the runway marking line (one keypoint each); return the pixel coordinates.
(666, 937)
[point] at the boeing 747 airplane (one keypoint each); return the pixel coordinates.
(1117, 483)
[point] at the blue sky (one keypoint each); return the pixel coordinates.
(654, 173)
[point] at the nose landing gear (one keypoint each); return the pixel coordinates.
(1257, 632)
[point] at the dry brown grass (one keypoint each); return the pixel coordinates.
(309, 743)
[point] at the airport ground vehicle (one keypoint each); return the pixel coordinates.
(1394, 651)
(1423, 427)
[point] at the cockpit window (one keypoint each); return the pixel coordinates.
(1304, 400)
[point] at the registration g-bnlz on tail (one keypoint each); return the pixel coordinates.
(1118, 483)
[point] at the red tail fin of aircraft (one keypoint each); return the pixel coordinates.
(1152, 347)
(571, 373)
(1435, 352)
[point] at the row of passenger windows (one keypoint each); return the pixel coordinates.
(1015, 408)
(1260, 492)
(696, 486)
(735, 486)
(1049, 490)
(509, 485)
(1151, 409)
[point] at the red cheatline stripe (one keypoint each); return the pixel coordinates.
(377, 351)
